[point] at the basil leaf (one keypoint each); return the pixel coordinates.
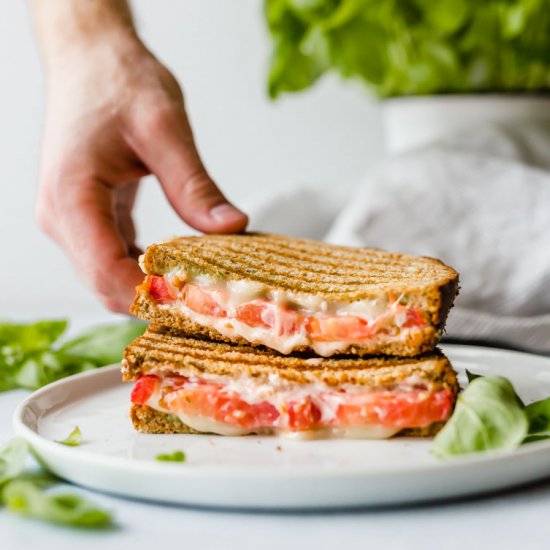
(487, 416)
(31, 337)
(73, 439)
(176, 456)
(471, 375)
(105, 344)
(30, 356)
(26, 498)
(538, 414)
(24, 493)
(535, 438)
(12, 459)
(413, 47)
(39, 369)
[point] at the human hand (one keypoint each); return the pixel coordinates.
(115, 114)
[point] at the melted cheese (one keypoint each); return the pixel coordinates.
(208, 425)
(279, 393)
(239, 292)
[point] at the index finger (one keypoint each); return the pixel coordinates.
(91, 238)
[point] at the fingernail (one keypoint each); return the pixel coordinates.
(224, 213)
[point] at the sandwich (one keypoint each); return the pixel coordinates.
(190, 384)
(296, 295)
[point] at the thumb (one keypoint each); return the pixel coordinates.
(168, 150)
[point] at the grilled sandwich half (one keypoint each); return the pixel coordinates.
(189, 384)
(296, 295)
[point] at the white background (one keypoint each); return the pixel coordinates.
(219, 50)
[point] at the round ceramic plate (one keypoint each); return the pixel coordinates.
(268, 472)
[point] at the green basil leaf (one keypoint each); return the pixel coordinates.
(487, 416)
(420, 46)
(445, 16)
(31, 337)
(73, 439)
(176, 456)
(472, 376)
(12, 459)
(291, 70)
(30, 356)
(313, 11)
(26, 498)
(538, 414)
(105, 344)
(535, 438)
(45, 367)
(358, 48)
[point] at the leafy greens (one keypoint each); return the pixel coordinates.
(176, 456)
(73, 439)
(25, 493)
(411, 47)
(490, 415)
(31, 355)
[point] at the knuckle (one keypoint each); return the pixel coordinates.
(199, 186)
(157, 119)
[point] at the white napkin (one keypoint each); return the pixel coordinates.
(480, 201)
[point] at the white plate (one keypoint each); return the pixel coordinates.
(267, 472)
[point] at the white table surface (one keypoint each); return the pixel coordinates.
(517, 519)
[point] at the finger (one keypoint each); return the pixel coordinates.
(125, 196)
(95, 244)
(169, 152)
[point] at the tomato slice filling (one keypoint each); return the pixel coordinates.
(262, 313)
(160, 290)
(283, 320)
(330, 328)
(397, 409)
(204, 301)
(143, 390)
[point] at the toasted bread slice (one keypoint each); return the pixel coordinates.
(162, 356)
(162, 349)
(394, 304)
(414, 342)
(340, 273)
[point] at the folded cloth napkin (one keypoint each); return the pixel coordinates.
(480, 201)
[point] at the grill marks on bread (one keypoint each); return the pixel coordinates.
(160, 349)
(342, 273)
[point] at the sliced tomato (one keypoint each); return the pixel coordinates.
(160, 290)
(263, 313)
(415, 318)
(406, 409)
(144, 389)
(251, 313)
(304, 415)
(204, 300)
(338, 327)
(211, 401)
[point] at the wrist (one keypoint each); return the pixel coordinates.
(73, 29)
(108, 49)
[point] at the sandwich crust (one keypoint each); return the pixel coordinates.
(161, 350)
(339, 274)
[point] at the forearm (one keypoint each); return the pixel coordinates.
(67, 26)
